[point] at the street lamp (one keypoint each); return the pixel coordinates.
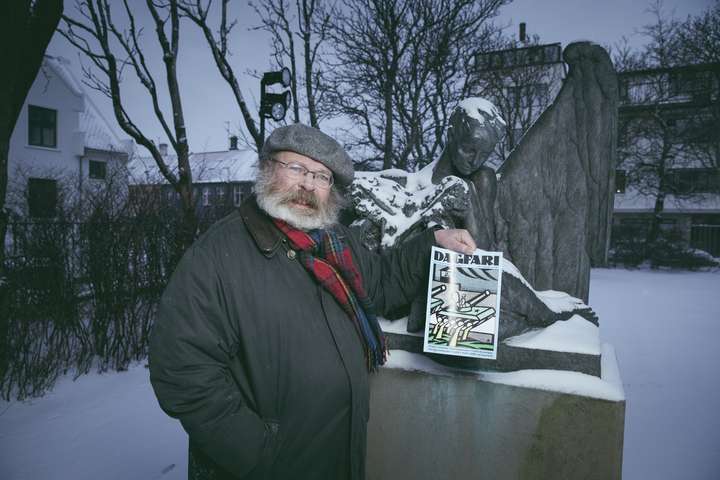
(283, 76)
(274, 105)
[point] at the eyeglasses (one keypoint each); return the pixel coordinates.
(295, 171)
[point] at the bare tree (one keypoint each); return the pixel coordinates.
(625, 56)
(307, 21)
(440, 76)
(698, 37)
(521, 79)
(113, 50)
(699, 42)
(198, 11)
(275, 17)
(314, 21)
(669, 122)
(397, 69)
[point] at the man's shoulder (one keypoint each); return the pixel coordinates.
(224, 237)
(220, 248)
(229, 223)
(225, 230)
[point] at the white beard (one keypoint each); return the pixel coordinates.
(275, 203)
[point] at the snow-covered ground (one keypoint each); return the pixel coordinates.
(665, 328)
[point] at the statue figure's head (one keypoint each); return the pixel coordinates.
(475, 128)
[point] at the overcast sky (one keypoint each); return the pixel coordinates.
(209, 106)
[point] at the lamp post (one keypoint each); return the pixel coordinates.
(274, 105)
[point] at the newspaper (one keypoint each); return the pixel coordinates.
(463, 303)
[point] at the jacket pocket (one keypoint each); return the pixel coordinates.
(271, 448)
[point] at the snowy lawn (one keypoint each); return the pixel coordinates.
(664, 326)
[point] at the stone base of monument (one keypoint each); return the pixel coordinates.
(432, 422)
(572, 345)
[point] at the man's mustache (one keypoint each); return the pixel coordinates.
(305, 197)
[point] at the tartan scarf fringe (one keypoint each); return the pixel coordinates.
(329, 260)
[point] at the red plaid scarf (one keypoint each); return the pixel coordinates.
(330, 262)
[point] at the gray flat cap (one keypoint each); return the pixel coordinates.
(312, 143)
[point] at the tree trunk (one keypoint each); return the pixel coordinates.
(654, 230)
(4, 285)
(293, 80)
(312, 109)
(4, 151)
(388, 107)
(25, 31)
(189, 226)
(308, 66)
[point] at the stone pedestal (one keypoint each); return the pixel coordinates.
(432, 422)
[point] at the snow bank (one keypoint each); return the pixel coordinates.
(101, 426)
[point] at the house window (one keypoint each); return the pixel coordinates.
(237, 195)
(206, 197)
(42, 127)
(97, 169)
(220, 193)
(620, 181)
(42, 197)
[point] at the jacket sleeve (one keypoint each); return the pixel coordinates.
(188, 356)
(393, 279)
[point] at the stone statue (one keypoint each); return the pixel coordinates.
(547, 208)
(456, 191)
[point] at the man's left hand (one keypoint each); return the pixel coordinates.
(456, 240)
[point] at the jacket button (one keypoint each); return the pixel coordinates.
(291, 254)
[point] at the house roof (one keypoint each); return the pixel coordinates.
(99, 133)
(60, 65)
(207, 167)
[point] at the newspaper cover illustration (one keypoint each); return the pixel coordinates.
(463, 303)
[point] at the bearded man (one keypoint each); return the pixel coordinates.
(266, 333)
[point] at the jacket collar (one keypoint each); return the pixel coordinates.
(265, 234)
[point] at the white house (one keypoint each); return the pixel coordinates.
(61, 145)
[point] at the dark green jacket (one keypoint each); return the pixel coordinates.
(261, 365)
